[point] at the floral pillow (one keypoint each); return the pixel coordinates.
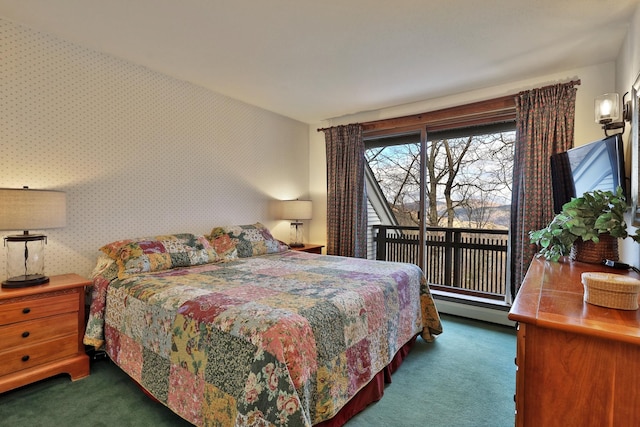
(223, 244)
(158, 253)
(105, 266)
(245, 241)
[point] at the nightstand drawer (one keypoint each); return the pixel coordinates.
(37, 307)
(32, 355)
(47, 328)
(41, 331)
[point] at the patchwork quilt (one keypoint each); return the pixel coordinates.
(278, 339)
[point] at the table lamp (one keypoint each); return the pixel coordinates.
(26, 209)
(296, 210)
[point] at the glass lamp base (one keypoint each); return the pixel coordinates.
(296, 232)
(25, 260)
(25, 281)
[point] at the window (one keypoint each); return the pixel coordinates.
(446, 194)
(468, 174)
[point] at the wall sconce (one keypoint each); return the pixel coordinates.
(607, 111)
(296, 210)
(25, 209)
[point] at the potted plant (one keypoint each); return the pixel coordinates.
(584, 222)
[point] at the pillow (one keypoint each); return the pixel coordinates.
(105, 266)
(144, 255)
(223, 244)
(246, 240)
(112, 249)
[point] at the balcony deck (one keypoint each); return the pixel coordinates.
(466, 261)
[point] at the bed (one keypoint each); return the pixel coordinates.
(234, 328)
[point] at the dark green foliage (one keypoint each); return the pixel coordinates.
(596, 212)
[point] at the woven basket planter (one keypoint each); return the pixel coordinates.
(594, 253)
(611, 290)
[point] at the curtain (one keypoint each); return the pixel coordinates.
(346, 195)
(544, 126)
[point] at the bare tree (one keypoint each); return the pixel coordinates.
(452, 153)
(466, 177)
(487, 183)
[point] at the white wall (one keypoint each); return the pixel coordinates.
(137, 152)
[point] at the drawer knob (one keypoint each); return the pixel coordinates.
(25, 358)
(25, 334)
(26, 310)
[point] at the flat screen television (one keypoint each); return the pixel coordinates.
(598, 165)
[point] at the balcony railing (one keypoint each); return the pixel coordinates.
(464, 260)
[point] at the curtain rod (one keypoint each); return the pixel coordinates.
(572, 83)
(323, 129)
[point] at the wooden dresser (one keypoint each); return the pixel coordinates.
(41, 329)
(577, 364)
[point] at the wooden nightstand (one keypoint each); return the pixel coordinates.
(41, 330)
(312, 249)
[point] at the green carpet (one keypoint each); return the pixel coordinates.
(465, 378)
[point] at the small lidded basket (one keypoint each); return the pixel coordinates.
(611, 290)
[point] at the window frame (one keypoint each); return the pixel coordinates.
(476, 114)
(494, 110)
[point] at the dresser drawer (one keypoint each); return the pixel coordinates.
(20, 310)
(25, 357)
(30, 332)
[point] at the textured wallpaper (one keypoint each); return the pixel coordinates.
(137, 152)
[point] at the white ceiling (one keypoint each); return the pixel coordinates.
(318, 59)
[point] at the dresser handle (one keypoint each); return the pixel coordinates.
(25, 358)
(25, 334)
(26, 310)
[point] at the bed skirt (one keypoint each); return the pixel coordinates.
(372, 392)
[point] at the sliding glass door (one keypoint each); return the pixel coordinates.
(442, 202)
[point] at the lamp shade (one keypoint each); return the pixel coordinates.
(607, 108)
(296, 209)
(27, 209)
